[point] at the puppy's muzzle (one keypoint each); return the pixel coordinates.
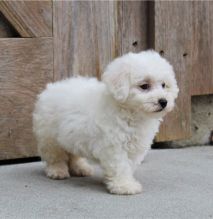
(162, 102)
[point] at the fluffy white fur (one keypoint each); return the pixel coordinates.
(112, 122)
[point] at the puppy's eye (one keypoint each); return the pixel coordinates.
(145, 86)
(163, 85)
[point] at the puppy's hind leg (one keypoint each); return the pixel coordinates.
(56, 160)
(78, 166)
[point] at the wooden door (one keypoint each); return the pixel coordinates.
(43, 41)
(26, 65)
(183, 33)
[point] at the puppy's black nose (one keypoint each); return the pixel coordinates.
(162, 102)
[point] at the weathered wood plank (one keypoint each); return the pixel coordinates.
(172, 25)
(89, 34)
(26, 65)
(29, 18)
(83, 37)
(131, 28)
(202, 50)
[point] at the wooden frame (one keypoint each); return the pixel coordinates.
(82, 37)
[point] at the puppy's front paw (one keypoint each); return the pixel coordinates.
(124, 187)
(57, 171)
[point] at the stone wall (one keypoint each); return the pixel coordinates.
(201, 126)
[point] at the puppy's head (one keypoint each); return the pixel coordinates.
(144, 81)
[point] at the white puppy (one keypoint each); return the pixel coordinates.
(112, 122)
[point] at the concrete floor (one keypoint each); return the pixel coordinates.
(178, 183)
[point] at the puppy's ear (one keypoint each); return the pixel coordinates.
(117, 79)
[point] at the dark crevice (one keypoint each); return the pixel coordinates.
(150, 25)
(20, 160)
(6, 29)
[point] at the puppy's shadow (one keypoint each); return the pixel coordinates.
(93, 183)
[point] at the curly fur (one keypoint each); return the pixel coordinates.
(112, 122)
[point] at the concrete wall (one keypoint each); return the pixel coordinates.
(201, 126)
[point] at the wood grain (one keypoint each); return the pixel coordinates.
(83, 44)
(29, 18)
(172, 25)
(26, 65)
(201, 52)
(89, 34)
(131, 28)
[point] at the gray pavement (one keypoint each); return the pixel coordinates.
(177, 183)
